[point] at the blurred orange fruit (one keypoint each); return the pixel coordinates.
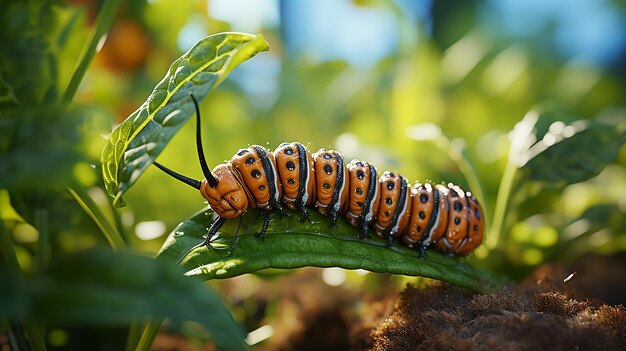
(126, 47)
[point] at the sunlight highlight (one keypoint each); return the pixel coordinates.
(256, 336)
(504, 70)
(334, 276)
(461, 58)
(149, 230)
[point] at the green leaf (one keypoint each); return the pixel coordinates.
(290, 243)
(135, 143)
(107, 288)
(574, 152)
(27, 33)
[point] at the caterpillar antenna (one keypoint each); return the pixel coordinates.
(205, 168)
(191, 182)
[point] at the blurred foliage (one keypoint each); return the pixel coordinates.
(127, 287)
(573, 153)
(452, 66)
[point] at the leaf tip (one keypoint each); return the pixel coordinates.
(118, 201)
(263, 44)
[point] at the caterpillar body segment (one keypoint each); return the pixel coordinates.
(395, 206)
(331, 176)
(466, 223)
(364, 195)
(257, 168)
(429, 218)
(296, 170)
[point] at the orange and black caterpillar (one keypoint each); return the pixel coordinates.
(443, 216)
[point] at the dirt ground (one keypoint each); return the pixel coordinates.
(544, 312)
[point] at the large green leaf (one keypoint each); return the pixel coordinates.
(135, 143)
(574, 152)
(290, 243)
(28, 30)
(107, 288)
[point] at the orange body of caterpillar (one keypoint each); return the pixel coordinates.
(423, 215)
(445, 217)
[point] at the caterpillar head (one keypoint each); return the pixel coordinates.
(229, 198)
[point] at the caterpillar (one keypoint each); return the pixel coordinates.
(423, 215)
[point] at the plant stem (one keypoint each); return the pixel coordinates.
(91, 208)
(8, 253)
(15, 334)
(101, 26)
(134, 335)
(521, 141)
(149, 333)
(118, 220)
(34, 336)
(502, 204)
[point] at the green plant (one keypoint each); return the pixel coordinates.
(47, 188)
(98, 288)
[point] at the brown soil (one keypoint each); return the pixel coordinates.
(541, 313)
(545, 312)
(513, 318)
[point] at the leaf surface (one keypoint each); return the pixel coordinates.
(574, 152)
(290, 243)
(137, 141)
(108, 288)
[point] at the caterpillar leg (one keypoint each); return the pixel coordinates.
(281, 212)
(305, 214)
(266, 223)
(279, 208)
(387, 234)
(210, 235)
(333, 219)
(208, 238)
(364, 232)
(422, 249)
(236, 236)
